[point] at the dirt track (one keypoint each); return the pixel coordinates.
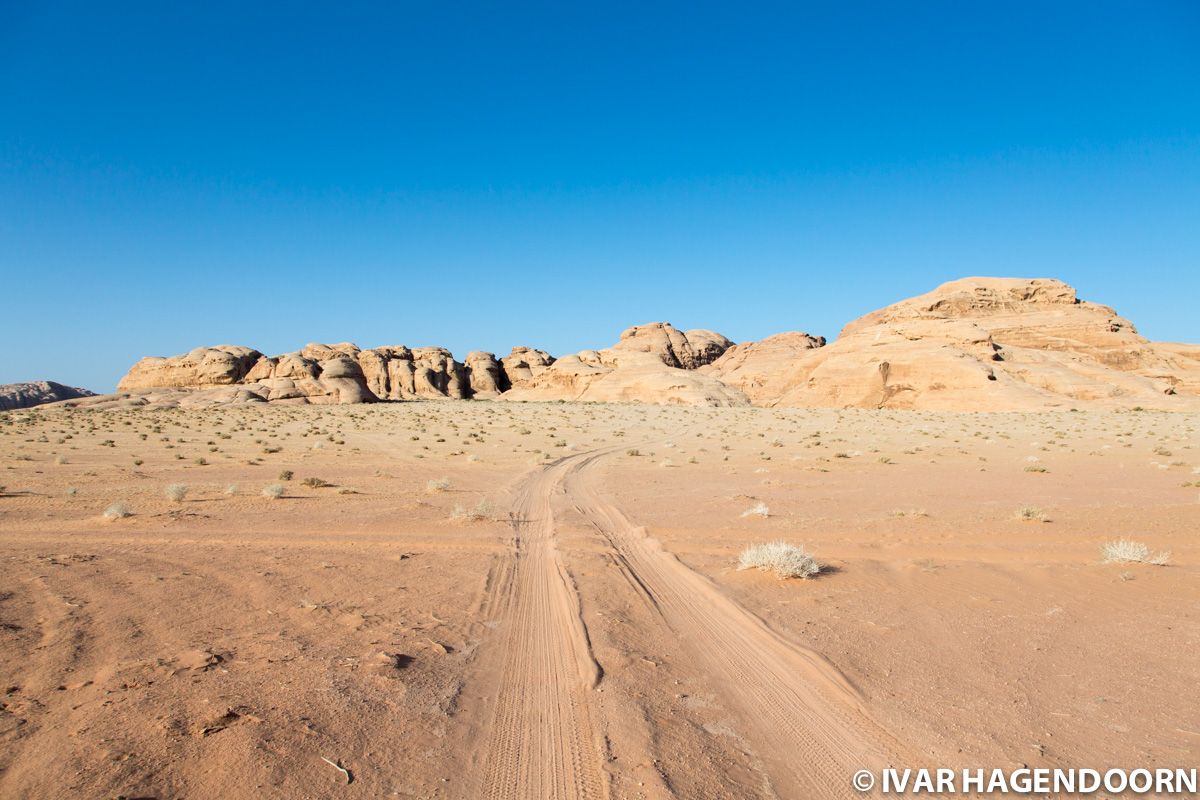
(548, 737)
(597, 642)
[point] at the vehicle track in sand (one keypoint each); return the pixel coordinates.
(805, 719)
(547, 738)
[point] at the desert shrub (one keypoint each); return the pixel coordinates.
(1031, 514)
(316, 483)
(482, 510)
(633, 451)
(231, 489)
(286, 475)
(176, 492)
(437, 485)
(759, 510)
(117, 511)
(1127, 551)
(784, 559)
(274, 491)
(1036, 468)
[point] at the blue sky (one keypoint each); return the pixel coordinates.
(480, 176)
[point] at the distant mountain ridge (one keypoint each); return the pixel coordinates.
(35, 393)
(992, 344)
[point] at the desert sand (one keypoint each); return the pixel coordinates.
(541, 600)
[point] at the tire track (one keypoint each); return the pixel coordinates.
(807, 721)
(547, 738)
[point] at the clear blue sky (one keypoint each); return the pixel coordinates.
(479, 176)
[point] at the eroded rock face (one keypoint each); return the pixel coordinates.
(972, 344)
(653, 363)
(673, 347)
(36, 393)
(320, 373)
(484, 373)
(523, 364)
(987, 344)
(205, 366)
(757, 368)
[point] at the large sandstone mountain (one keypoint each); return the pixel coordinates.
(989, 344)
(36, 393)
(972, 344)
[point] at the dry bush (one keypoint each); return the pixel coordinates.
(117, 511)
(273, 492)
(176, 492)
(784, 559)
(759, 510)
(1127, 551)
(1031, 514)
(482, 510)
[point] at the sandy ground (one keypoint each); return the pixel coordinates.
(495, 600)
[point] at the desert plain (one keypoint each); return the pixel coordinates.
(447, 599)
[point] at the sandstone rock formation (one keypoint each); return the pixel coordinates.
(971, 344)
(321, 374)
(756, 368)
(36, 393)
(523, 364)
(205, 366)
(655, 363)
(989, 344)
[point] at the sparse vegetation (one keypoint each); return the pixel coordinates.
(117, 511)
(757, 510)
(274, 491)
(1031, 514)
(176, 492)
(316, 483)
(1127, 551)
(784, 559)
(482, 510)
(437, 485)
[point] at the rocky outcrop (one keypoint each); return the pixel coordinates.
(654, 363)
(522, 365)
(971, 344)
(757, 368)
(36, 393)
(988, 344)
(222, 365)
(485, 376)
(673, 347)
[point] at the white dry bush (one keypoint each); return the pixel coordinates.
(176, 492)
(437, 485)
(274, 491)
(482, 510)
(116, 511)
(784, 559)
(231, 489)
(759, 510)
(1127, 551)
